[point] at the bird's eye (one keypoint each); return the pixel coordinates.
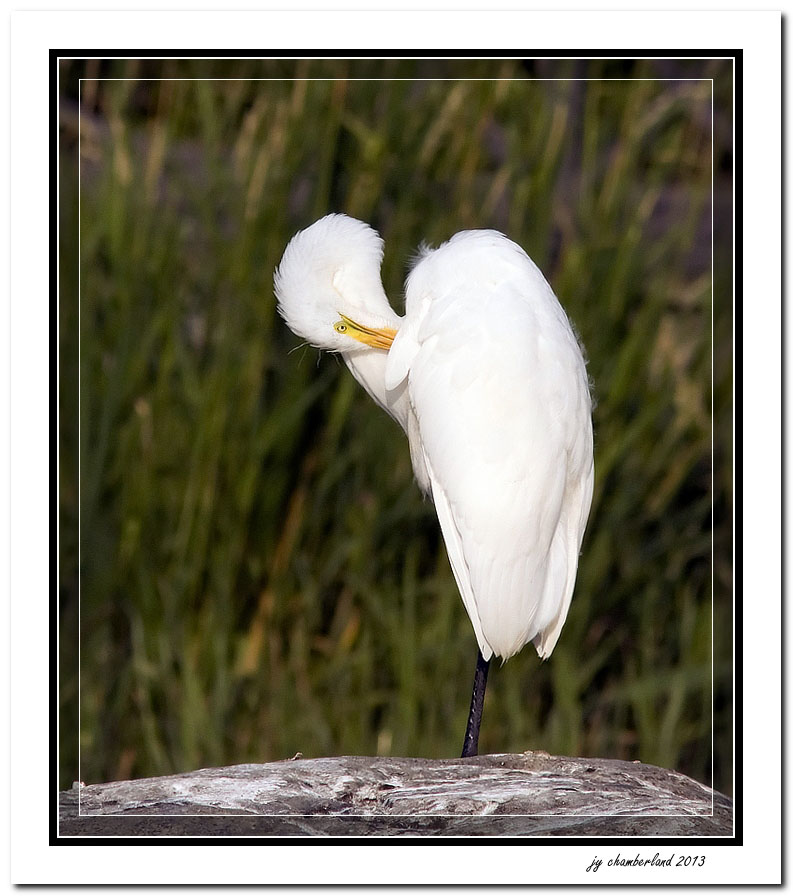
(340, 327)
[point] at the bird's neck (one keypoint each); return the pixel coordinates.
(368, 367)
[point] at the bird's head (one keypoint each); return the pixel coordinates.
(329, 289)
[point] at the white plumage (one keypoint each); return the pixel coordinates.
(499, 389)
(330, 268)
(486, 376)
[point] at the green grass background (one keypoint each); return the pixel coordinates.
(257, 573)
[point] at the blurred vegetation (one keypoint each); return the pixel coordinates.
(257, 573)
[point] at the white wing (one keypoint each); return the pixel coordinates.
(499, 390)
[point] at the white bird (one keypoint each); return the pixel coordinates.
(488, 380)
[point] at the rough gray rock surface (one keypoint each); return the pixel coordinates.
(527, 794)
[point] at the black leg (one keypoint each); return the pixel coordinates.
(471, 742)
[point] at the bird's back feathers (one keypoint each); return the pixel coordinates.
(500, 394)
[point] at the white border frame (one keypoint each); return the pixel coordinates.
(759, 860)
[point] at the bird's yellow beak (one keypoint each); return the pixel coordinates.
(376, 338)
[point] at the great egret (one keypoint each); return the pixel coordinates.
(486, 377)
